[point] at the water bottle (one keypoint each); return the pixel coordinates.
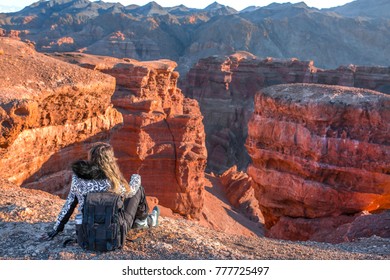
(79, 219)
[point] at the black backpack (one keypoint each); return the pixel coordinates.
(103, 226)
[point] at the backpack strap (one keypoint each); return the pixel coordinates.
(92, 238)
(91, 231)
(109, 232)
(91, 214)
(108, 214)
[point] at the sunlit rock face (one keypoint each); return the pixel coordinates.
(50, 113)
(321, 161)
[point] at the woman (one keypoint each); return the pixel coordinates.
(101, 174)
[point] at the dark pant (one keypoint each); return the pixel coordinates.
(136, 207)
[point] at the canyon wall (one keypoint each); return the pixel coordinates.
(50, 113)
(225, 87)
(162, 137)
(321, 161)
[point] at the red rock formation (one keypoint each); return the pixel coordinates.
(225, 87)
(320, 156)
(240, 193)
(49, 112)
(163, 135)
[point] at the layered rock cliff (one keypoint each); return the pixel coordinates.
(163, 135)
(50, 112)
(226, 104)
(321, 161)
(225, 87)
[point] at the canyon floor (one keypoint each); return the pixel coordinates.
(25, 215)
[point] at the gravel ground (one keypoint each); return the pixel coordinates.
(25, 215)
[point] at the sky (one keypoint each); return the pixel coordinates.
(16, 5)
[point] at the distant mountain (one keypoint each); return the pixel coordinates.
(365, 8)
(216, 7)
(58, 12)
(181, 10)
(330, 37)
(250, 9)
(150, 9)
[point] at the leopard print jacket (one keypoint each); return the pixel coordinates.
(78, 191)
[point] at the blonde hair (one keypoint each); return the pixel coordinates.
(102, 154)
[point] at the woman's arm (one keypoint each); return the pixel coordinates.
(67, 209)
(134, 184)
(66, 213)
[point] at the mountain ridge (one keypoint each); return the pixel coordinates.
(364, 8)
(185, 35)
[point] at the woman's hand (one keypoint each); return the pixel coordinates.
(51, 234)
